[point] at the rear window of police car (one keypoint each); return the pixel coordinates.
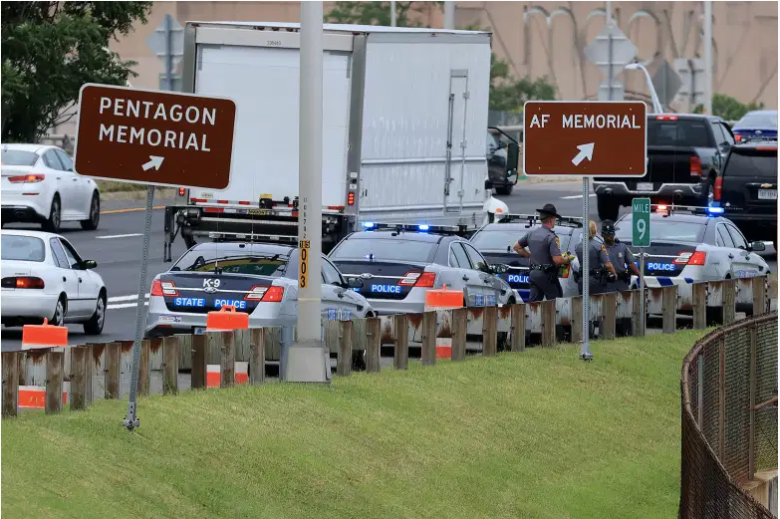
(232, 261)
(22, 248)
(494, 239)
(383, 249)
(752, 162)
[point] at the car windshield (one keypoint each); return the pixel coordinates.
(385, 249)
(678, 133)
(758, 120)
(234, 261)
(663, 229)
(18, 157)
(752, 165)
(22, 248)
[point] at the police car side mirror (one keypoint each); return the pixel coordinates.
(757, 246)
(354, 283)
(499, 268)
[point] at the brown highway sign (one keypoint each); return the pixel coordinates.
(585, 138)
(154, 137)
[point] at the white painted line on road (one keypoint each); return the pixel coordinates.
(124, 298)
(126, 305)
(572, 197)
(112, 236)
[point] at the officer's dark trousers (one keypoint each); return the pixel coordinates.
(544, 286)
(594, 287)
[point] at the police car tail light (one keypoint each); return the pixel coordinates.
(274, 294)
(256, 293)
(164, 288)
(697, 258)
(418, 279)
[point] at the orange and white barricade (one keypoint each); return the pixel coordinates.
(443, 300)
(227, 319)
(214, 374)
(41, 337)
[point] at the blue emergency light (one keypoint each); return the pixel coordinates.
(369, 225)
(715, 210)
(423, 227)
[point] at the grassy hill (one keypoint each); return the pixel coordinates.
(533, 435)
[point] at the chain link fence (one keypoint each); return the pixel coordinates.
(729, 419)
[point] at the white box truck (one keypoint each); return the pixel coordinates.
(404, 128)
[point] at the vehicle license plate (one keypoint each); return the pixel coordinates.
(198, 331)
(767, 194)
(644, 186)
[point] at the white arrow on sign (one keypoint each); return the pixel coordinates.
(586, 152)
(154, 162)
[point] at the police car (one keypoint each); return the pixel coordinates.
(260, 279)
(495, 241)
(399, 263)
(691, 244)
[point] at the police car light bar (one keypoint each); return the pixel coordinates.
(668, 209)
(421, 227)
(533, 219)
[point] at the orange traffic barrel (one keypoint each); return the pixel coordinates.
(37, 336)
(227, 319)
(443, 300)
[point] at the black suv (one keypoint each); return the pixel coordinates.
(502, 155)
(747, 188)
(684, 157)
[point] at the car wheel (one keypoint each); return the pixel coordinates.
(91, 224)
(95, 324)
(505, 190)
(55, 216)
(58, 319)
(608, 208)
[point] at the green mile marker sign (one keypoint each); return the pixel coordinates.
(640, 222)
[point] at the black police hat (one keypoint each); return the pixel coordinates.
(547, 211)
(608, 227)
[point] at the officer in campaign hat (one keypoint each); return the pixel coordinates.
(544, 249)
(601, 271)
(620, 256)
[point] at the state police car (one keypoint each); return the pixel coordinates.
(691, 244)
(399, 263)
(257, 278)
(495, 240)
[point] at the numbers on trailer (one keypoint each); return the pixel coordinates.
(273, 43)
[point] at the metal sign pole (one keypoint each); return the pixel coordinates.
(131, 421)
(585, 353)
(642, 318)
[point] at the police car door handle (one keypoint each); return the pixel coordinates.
(731, 256)
(465, 278)
(340, 295)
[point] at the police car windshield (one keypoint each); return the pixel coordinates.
(236, 261)
(384, 250)
(663, 229)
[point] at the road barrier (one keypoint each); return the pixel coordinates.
(89, 371)
(729, 422)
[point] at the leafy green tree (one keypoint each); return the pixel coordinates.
(729, 108)
(50, 49)
(377, 13)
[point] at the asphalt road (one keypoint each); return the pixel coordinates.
(117, 247)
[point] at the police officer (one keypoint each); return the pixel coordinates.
(620, 256)
(598, 260)
(544, 249)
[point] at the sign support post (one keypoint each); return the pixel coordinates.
(640, 237)
(307, 358)
(585, 353)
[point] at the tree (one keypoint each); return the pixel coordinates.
(377, 13)
(729, 108)
(50, 49)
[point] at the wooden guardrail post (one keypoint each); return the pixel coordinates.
(10, 383)
(639, 319)
(256, 356)
(344, 360)
(459, 322)
(669, 302)
(548, 323)
(227, 363)
(699, 304)
(80, 377)
(729, 301)
(609, 323)
(170, 348)
(373, 344)
(428, 353)
(490, 331)
(55, 361)
(112, 371)
(401, 342)
(576, 319)
(517, 317)
(759, 295)
(144, 371)
(199, 364)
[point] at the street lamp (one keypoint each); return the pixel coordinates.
(657, 108)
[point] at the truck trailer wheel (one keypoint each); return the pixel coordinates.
(608, 208)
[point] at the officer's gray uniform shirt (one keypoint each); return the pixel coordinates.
(598, 256)
(543, 245)
(620, 256)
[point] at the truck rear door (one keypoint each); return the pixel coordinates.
(672, 154)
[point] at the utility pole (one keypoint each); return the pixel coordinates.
(307, 359)
(393, 20)
(708, 57)
(449, 15)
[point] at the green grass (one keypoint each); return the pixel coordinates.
(533, 435)
(110, 186)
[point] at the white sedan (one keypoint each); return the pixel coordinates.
(40, 186)
(44, 277)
